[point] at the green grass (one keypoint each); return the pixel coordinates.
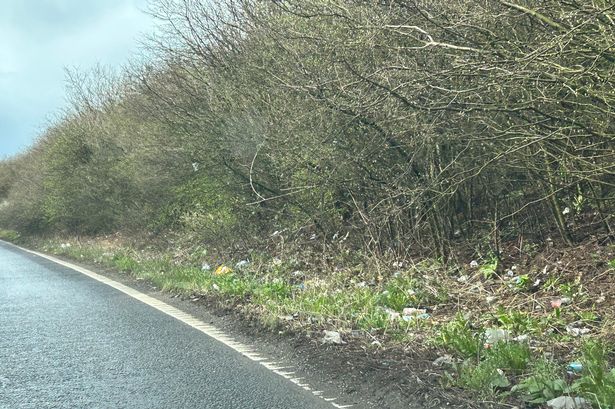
(484, 378)
(9, 235)
(597, 382)
(336, 303)
(459, 337)
(544, 382)
(492, 370)
(506, 368)
(486, 369)
(512, 357)
(519, 322)
(401, 292)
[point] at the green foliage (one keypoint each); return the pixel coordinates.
(489, 374)
(459, 336)
(204, 209)
(488, 270)
(484, 378)
(487, 369)
(597, 382)
(523, 282)
(125, 262)
(9, 235)
(543, 384)
(320, 126)
(275, 291)
(512, 357)
(398, 294)
(571, 289)
(519, 322)
(76, 200)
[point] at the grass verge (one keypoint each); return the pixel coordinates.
(559, 347)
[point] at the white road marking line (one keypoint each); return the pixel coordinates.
(207, 329)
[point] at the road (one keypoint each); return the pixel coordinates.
(68, 341)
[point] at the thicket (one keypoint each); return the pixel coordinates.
(392, 126)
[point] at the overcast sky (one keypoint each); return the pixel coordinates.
(38, 38)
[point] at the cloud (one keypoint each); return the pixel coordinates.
(38, 38)
(49, 18)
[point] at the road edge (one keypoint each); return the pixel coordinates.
(211, 331)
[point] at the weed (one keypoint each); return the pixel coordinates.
(274, 291)
(9, 235)
(459, 337)
(512, 357)
(486, 369)
(551, 283)
(234, 286)
(587, 316)
(489, 374)
(484, 377)
(571, 289)
(124, 262)
(522, 282)
(489, 269)
(398, 294)
(543, 384)
(518, 321)
(404, 292)
(597, 382)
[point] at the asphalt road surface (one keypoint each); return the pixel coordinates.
(68, 341)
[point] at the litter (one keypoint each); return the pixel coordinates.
(391, 314)
(241, 264)
(409, 314)
(567, 402)
(444, 360)
(332, 338)
(495, 335)
(414, 311)
(577, 332)
(575, 367)
(557, 303)
(222, 270)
